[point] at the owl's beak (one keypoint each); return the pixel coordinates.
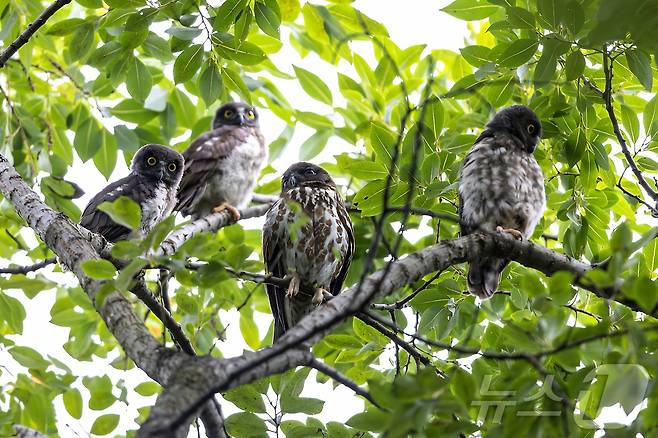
(242, 118)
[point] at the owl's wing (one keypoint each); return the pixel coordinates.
(99, 222)
(346, 222)
(274, 256)
(202, 161)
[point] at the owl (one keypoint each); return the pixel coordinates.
(501, 188)
(152, 183)
(308, 238)
(222, 165)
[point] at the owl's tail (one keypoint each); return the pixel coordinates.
(484, 277)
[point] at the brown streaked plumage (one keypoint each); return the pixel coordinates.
(222, 165)
(501, 188)
(307, 237)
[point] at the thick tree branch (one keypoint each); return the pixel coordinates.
(24, 37)
(74, 245)
(208, 223)
(26, 432)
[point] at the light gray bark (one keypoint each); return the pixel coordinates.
(73, 244)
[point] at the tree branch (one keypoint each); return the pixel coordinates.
(29, 268)
(24, 37)
(607, 97)
(74, 245)
(342, 379)
(210, 223)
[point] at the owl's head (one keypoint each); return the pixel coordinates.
(305, 174)
(521, 122)
(158, 163)
(235, 113)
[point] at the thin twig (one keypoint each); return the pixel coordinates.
(29, 268)
(24, 37)
(342, 379)
(607, 97)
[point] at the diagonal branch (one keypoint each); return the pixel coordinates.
(24, 37)
(210, 223)
(29, 268)
(74, 245)
(607, 97)
(342, 379)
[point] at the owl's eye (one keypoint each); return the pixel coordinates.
(310, 172)
(531, 129)
(172, 167)
(228, 114)
(251, 115)
(151, 161)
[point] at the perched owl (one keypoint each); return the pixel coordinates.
(153, 182)
(501, 188)
(222, 165)
(308, 238)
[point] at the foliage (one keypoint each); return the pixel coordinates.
(106, 76)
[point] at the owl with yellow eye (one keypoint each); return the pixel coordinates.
(222, 165)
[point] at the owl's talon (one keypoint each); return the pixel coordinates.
(235, 213)
(318, 296)
(293, 287)
(515, 233)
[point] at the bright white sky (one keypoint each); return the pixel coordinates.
(409, 23)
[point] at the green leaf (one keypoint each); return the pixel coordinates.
(124, 211)
(106, 157)
(553, 48)
(243, 52)
(226, 14)
(210, 84)
(304, 405)
(82, 41)
(12, 312)
(518, 53)
(575, 65)
(650, 118)
(88, 139)
(246, 425)
(470, 9)
(138, 79)
(631, 122)
(575, 146)
(188, 63)
(234, 81)
(640, 64)
(132, 111)
(314, 145)
(520, 18)
(313, 85)
(105, 424)
(29, 358)
(247, 398)
(434, 116)
(249, 330)
(99, 269)
(147, 389)
(369, 421)
(100, 391)
(268, 17)
(477, 56)
(73, 403)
